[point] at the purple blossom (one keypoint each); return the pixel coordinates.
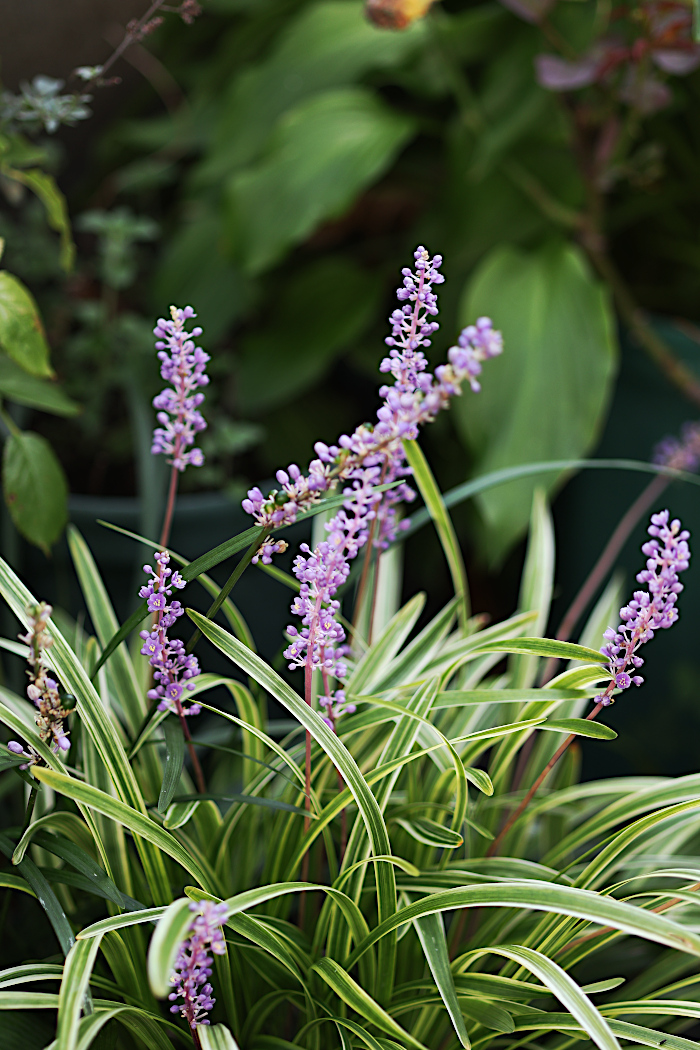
(649, 611)
(683, 454)
(369, 457)
(183, 365)
(174, 669)
(193, 967)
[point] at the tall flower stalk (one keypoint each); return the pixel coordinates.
(43, 689)
(174, 669)
(183, 365)
(192, 997)
(369, 457)
(667, 554)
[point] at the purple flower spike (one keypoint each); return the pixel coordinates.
(649, 611)
(182, 365)
(683, 454)
(172, 666)
(193, 967)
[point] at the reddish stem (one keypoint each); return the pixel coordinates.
(528, 797)
(605, 562)
(170, 505)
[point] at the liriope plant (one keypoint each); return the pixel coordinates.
(406, 861)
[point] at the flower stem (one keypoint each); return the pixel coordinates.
(493, 848)
(198, 774)
(169, 507)
(602, 567)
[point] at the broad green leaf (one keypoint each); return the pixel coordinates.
(21, 332)
(174, 758)
(431, 934)
(328, 44)
(430, 833)
(560, 352)
(44, 186)
(71, 997)
(432, 498)
(34, 391)
(216, 1037)
(130, 818)
(536, 585)
(579, 726)
(358, 1000)
(165, 945)
(322, 154)
(35, 488)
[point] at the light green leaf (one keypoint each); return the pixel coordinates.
(579, 726)
(71, 997)
(328, 44)
(358, 1000)
(560, 352)
(430, 833)
(323, 153)
(130, 818)
(28, 1001)
(35, 488)
(116, 922)
(30, 972)
(487, 1014)
(165, 945)
(548, 897)
(536, 585)
(216, 1037)
(431, 934)
(44, 186)
(22, 334)
(432, 498)
(35, 391)
(373, 663)
(543, 647)
(564, 988)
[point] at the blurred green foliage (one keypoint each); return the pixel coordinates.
(300, 154)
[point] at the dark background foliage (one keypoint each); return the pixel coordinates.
(274, 164)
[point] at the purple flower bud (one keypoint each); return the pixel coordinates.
(183, 365)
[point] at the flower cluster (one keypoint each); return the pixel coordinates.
(43, 689)
(370, 457)
(193, 967)
(658, 32)
(183, 365)
(41, 106)
(683, 454)
(173, 668)
(649, 611)
(414, 398)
